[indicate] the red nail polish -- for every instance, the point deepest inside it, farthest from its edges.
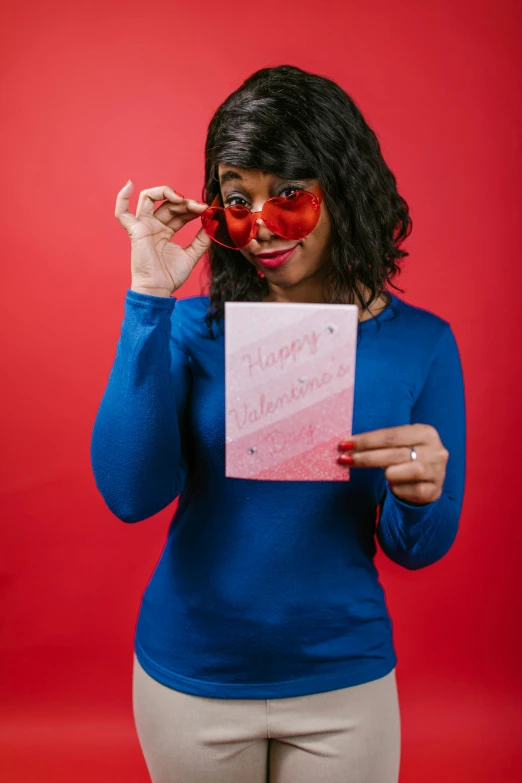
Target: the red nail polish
(347, 445)
(345, 459)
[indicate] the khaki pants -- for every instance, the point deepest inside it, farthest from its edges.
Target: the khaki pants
(349, 735)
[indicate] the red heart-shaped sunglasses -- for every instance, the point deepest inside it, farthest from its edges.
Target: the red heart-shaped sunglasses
(235, 226)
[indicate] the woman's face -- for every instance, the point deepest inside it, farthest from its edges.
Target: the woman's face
(251, 188)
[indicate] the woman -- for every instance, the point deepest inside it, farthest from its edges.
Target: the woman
(263, 647)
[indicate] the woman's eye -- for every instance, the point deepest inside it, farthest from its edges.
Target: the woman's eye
(235, 201)
(289, 191)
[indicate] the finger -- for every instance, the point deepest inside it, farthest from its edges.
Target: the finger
(176, 215)
(121, 211)
(148, 198)
(197, 206)
(393, 437)
(411, 471)
(198, 246)
(381, 458)
(419, 493)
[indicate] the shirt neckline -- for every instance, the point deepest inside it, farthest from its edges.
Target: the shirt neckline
(385, 315)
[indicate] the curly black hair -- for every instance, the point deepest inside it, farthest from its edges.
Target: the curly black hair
(298, 125)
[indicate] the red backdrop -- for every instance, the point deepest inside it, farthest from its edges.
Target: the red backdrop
(97, 94)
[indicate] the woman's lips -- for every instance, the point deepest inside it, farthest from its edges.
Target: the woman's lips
(271, 260)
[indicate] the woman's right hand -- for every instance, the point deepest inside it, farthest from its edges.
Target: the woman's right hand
(158, 266)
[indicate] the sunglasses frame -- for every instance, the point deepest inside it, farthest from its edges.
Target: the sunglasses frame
(317, 198)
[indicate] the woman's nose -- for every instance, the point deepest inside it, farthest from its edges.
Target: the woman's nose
(261, 232)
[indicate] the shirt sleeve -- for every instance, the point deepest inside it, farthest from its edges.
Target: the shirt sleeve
(137, 445)
(416, 536)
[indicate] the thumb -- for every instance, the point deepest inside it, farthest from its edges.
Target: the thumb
(199, 245)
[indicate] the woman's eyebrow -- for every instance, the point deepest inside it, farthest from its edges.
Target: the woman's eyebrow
(227, 176)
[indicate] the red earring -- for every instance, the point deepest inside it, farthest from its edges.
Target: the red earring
(260, 273)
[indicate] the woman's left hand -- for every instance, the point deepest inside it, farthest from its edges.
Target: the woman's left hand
(418, 481)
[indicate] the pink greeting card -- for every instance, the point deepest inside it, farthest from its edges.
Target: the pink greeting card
(289, 381)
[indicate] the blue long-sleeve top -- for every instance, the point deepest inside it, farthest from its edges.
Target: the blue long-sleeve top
(268, 589)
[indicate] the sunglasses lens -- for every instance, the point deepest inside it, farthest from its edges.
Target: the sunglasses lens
(228, 227)
(239, 225)
(294, 217)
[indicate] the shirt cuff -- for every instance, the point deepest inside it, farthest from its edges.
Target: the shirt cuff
(166, 302)
(148, 308)
(412, 513)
